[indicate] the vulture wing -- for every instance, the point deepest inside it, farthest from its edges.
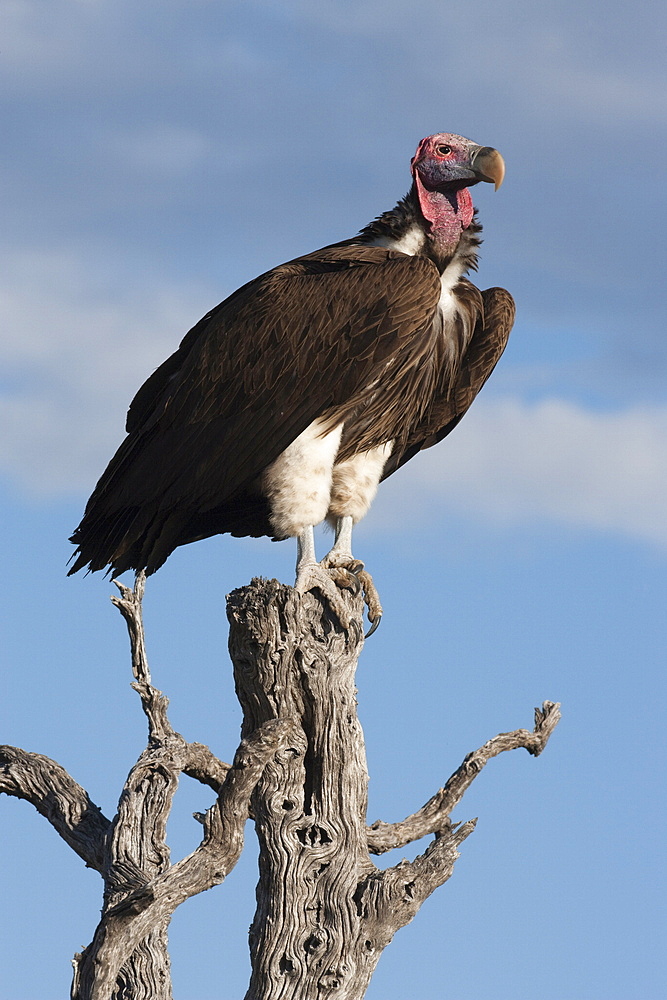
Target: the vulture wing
(486, 345)
(282, 351)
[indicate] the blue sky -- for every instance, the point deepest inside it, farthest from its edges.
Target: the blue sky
(157, 155)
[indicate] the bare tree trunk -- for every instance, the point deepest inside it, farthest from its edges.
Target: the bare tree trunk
(325, 912)
(307, 939)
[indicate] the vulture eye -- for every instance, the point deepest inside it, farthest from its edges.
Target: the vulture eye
(443, 150)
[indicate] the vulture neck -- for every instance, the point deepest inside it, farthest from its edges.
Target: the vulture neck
(437, 225)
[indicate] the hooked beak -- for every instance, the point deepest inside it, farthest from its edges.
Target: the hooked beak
(488, 165)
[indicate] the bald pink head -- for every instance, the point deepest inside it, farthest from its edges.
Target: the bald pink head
(445, 159)
(444, 167)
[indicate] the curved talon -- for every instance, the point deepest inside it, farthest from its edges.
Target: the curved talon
(346, 570)
(374, 625)
(372, 600)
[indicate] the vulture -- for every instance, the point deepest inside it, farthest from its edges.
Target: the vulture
(289, 402)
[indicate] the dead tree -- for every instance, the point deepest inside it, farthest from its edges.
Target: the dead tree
(325, 912)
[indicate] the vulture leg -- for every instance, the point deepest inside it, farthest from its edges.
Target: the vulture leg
(340, 557)
(311, 574)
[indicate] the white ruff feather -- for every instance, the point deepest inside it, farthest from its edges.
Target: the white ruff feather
(410, 243)
(449, 278)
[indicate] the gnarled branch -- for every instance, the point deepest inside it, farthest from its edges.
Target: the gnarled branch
(128, 921)
(325, 912)
(142, 888)
(67, 806)
(434, 815)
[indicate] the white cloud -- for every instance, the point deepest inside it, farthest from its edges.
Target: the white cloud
(539, 56)
(512, 462)
(76, 344)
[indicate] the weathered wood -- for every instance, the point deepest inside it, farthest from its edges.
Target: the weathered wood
(67, 806)
(435, 813)
(324, 911)
(128, 956)
(291, 658)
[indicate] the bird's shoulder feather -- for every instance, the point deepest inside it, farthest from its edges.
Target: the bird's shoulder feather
(492, 328)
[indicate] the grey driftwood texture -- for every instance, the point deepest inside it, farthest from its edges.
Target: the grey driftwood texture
(325, 912)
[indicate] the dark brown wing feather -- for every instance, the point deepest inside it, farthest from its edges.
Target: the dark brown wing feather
(488, 342)
(301, 342)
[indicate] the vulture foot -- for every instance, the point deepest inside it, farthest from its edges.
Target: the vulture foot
(347, 563)
(313, 576)
(372, 600)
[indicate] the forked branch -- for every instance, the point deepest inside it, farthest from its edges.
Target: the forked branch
(132, 917)
(128, 955)
(433, 817)
(142, 888)
(325, 912)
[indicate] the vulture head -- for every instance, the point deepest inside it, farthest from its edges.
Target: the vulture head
(443, 168)
(447, 162)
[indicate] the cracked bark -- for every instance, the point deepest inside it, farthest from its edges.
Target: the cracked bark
(325, 912)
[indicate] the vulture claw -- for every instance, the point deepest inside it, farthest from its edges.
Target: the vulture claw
(344, 577)
(371, 599)
(374, 625)
(337, 564)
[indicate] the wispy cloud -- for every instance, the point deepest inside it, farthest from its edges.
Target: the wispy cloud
(511, 462)
(157, 149)
(169, 166)
(546, 57)
(73, 352)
